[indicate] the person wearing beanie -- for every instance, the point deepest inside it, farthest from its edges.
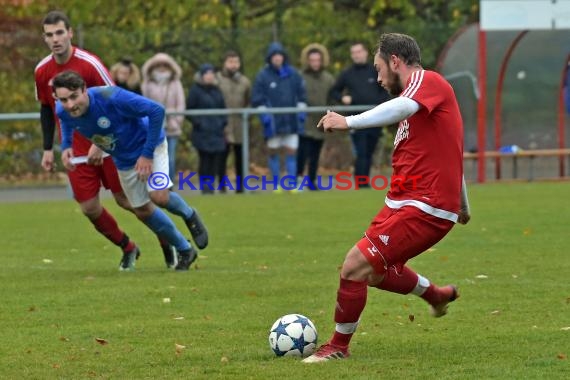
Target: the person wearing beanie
(208, 130)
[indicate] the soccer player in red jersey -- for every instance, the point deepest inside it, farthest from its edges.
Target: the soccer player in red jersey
(96, 169)
(428, 148)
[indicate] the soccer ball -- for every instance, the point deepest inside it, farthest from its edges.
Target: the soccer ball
(293, 335)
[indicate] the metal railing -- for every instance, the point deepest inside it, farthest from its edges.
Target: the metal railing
(244, 112)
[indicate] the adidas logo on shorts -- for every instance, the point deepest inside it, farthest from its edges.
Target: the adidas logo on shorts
(384, 239)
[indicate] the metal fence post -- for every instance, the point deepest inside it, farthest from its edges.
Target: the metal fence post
(245, 149)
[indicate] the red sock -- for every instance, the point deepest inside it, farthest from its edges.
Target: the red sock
(108, 227)
(401, 283)
(436, 295)
(350, 301)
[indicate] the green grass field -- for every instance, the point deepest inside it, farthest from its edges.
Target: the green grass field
(271, 255)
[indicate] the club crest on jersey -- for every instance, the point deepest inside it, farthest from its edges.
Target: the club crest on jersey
(107, 143)
(403, 132)
(103, 122)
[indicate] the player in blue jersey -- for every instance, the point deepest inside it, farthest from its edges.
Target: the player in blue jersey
(129, 128)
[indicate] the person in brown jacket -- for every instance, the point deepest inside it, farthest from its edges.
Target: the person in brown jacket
(318, 82)
(236, 89)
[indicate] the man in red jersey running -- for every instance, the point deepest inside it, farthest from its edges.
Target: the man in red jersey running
(429, 144)
(93, 168)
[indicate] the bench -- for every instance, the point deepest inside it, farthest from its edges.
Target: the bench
(530, 154)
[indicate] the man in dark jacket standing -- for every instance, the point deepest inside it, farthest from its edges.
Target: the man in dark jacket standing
(279, 85)
(208, 130)
(357, 85)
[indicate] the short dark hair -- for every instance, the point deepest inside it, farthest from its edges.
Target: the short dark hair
(357, 42)
(400, 45)
(315, 50)
(54, 17)
(231, 54)
(68, 79)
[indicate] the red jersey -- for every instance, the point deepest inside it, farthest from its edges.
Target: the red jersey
(84, 63)
(428, 149)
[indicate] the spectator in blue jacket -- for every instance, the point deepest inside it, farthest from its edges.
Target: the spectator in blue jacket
(208, 130)
(279, 85)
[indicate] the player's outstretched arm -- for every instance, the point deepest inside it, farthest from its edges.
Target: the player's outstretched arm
(465, 212)
(390, 112)
(387, 113)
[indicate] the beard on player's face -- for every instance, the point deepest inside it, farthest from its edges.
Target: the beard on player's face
(394, 83)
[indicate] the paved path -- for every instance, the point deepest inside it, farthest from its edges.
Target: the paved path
(31, 194)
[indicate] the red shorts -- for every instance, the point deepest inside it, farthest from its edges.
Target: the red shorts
(397, 235)
(86, 180)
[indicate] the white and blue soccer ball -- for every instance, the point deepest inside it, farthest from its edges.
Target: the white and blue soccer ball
(293, 335)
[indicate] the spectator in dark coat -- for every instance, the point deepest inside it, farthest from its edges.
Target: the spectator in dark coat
(208, 131)
(357, 85)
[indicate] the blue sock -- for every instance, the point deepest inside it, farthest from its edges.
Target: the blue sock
(274, 163)
(291, 165)
(163, 227)
(178, 206)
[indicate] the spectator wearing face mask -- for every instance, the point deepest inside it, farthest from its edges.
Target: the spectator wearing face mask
(161, 83)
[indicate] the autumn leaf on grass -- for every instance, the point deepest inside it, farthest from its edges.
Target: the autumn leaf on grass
(63, 339)
(179, 348)
(224, 359)
(101, 341)
(561, 356)
(411, 317)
